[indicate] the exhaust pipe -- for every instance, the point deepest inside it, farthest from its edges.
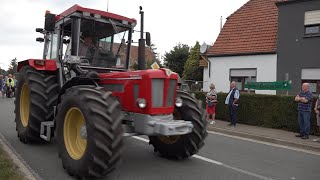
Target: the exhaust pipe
(142, 45)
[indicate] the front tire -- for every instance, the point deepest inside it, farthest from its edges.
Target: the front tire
(36, 94)
(89, 131)
(183, 146)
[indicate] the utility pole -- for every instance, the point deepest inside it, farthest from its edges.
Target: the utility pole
(107, 5)
(220, 23)
(142, 44)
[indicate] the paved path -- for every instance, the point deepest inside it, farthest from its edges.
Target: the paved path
(223, 157)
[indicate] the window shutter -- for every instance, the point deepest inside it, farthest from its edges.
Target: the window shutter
(310, 74)
(243, 72)
(312, 17)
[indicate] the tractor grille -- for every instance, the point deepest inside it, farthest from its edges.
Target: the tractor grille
(158, 92)
(171, 90)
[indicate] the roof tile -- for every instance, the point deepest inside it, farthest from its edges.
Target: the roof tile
(249, 30)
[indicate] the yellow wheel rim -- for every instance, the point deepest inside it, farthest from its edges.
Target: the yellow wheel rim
(74, 122)
(169, 139)
(24, 105)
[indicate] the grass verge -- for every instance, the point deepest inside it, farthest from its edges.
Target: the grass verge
(7, 169)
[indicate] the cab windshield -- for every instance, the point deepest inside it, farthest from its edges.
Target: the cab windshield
(102, 44)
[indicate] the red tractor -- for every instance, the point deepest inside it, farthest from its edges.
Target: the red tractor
(82, 94)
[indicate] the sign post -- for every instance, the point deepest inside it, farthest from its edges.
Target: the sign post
(155, 65)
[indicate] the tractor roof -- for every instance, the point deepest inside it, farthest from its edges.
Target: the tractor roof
(77, 8)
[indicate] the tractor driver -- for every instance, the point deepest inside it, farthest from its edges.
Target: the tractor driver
(87, 48)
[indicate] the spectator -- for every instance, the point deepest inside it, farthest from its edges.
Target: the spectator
(317, 111)
(4, 86)
(304, 109)
(211, 100)
(10, 86)
(232, 101)
(1, 85)
(15, 84)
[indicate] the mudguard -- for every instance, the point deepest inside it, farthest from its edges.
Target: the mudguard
(39, 64)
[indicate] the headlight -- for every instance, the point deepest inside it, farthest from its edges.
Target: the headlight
(142, 103)
(179, 102)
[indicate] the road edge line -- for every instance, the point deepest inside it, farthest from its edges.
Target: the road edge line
(266, 143)
(264, 139)
(17, 160)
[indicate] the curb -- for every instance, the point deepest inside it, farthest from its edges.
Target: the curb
(24, 169)
(264, 138)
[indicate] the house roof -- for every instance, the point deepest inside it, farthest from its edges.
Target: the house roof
(252, 29)
(149, 55)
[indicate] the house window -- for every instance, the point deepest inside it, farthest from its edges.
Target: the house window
(311, 76)
(315, 29)
(242, 76)
(314, 85)
(312, 22)
(241, 81)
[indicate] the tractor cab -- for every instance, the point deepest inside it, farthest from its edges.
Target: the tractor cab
(82, 39)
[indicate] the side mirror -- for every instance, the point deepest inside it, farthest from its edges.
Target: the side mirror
(148, 38)
(39, 30)
(50, 21)
(39, 39)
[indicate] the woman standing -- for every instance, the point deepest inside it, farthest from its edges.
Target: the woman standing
(211, 101)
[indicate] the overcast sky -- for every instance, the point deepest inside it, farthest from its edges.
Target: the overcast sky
(169, 21)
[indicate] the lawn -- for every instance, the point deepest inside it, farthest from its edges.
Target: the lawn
(7, 168)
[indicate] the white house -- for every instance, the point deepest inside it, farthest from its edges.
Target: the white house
(245, 49)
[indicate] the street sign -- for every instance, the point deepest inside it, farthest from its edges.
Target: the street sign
(155, 65)
(278, 85)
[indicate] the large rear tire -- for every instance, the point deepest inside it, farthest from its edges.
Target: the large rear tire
(36, 95)
(89, 131)
(183, 146)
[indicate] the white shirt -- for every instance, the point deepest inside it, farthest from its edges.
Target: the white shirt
(236, 96)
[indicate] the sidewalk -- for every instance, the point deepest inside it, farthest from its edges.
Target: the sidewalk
(275, 136)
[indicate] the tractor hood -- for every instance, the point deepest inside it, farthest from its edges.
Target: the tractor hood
(156, 87)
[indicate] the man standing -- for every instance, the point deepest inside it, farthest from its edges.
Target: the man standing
(304, 110)
(317, 111)
(232, 101)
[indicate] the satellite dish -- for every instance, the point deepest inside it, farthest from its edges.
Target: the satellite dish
(203, 48)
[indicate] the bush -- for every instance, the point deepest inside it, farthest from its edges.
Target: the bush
(271, 111)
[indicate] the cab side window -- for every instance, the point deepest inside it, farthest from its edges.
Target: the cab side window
(53, 47)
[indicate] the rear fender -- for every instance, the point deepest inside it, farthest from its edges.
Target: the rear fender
(39, 64)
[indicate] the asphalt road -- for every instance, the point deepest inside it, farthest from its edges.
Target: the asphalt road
(223, 157)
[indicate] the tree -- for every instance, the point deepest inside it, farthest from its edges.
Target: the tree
(13, 66)
(2, 71)
(154, 50)
(156, 57)
(176, 58)
(192, 70)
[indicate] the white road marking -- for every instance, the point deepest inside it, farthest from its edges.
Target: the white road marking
(141, 139)
(267, 143)
(217, 163)
(207, 160)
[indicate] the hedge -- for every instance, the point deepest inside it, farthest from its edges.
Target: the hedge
(271, 111)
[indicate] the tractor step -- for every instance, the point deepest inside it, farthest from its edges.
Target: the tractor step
(161, 125)
(45, 130)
